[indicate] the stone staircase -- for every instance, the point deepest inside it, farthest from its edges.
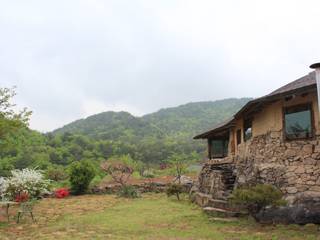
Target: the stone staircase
(218, 180)
(216, 207)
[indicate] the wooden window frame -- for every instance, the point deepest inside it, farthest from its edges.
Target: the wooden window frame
(212, 155)
(284, 109)
(244, 129)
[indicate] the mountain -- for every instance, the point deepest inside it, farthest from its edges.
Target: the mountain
(193, 118)
(151, 139)
(180, 122)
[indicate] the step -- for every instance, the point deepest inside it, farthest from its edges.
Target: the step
(218, 203)
(220, 212)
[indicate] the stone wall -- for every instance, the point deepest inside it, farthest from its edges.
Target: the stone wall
(217, 180)
(293, 166)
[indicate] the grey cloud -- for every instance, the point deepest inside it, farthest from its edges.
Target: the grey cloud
(65, 56)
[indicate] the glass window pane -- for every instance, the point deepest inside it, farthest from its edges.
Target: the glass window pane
(219, 148)
(298, 124)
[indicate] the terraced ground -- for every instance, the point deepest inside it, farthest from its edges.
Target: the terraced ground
(154, 216)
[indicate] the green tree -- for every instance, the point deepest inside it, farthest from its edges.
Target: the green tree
(179, 164)
(10, 119)
(81, 174)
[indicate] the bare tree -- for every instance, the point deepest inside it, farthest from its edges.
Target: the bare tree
(119, 172)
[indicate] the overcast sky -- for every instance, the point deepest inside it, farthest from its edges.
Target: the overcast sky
(73, 58)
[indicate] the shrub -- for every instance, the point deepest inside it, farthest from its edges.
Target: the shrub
(25, 181)
(128, 191)
(174, 189)
(81, 174)
(57, 173)
(257, 198)
(61, 193)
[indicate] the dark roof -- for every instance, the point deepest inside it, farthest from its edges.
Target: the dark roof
(304, 83)
(217, 128)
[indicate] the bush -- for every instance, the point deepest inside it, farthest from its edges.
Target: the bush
(174, 189)
(57, 173)
(128, 191)
(257, 198)
(61, 193)
(81, 174)
(24, 182)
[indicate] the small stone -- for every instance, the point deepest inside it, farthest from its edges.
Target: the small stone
(290, 153)
(317, 149)
(300, 169)
(309, 161)
(292, 190)
(310, 183)
(307, 149)
(315, 188)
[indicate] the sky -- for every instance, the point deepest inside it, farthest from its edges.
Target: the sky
(71, 59)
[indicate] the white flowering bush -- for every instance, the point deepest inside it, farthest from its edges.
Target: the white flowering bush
(3, 187)
(26, 181)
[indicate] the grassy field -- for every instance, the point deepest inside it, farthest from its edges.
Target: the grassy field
(153, 216)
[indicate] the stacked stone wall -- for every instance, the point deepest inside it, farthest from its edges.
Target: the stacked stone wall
(293, 166)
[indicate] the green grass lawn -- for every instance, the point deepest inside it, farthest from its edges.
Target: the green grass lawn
(153, 216)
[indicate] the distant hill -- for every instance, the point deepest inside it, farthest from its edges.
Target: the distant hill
(180, 122)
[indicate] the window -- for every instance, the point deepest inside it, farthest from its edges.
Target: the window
(219, 148)
(238, 136)
(298, 122)
(247, 129)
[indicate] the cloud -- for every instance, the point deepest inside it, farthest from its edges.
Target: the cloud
(73, 58)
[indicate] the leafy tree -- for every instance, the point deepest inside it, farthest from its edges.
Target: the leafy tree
(10, 120)
(5, 167)
(81, 174)
(56, 173)
(179, 163)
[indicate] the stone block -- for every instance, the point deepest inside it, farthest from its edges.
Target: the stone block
(307, 149)
(291, 190)
(300, 169)
(290, 153)
(315, 188)
(311, 183)
(317, 149)
(309, 161)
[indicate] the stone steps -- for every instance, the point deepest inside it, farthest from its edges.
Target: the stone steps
(217, 203)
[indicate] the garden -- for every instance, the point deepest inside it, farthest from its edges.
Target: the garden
(41, 208)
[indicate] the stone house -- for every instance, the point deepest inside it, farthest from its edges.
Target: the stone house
(274, 139)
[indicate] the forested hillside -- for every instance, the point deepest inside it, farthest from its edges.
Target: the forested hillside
(182, 121)
(150, 139)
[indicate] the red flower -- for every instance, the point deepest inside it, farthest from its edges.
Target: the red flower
(61, 193)
(22, 197)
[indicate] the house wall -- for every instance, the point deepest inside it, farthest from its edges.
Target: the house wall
(271, 119)
(292, 166)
